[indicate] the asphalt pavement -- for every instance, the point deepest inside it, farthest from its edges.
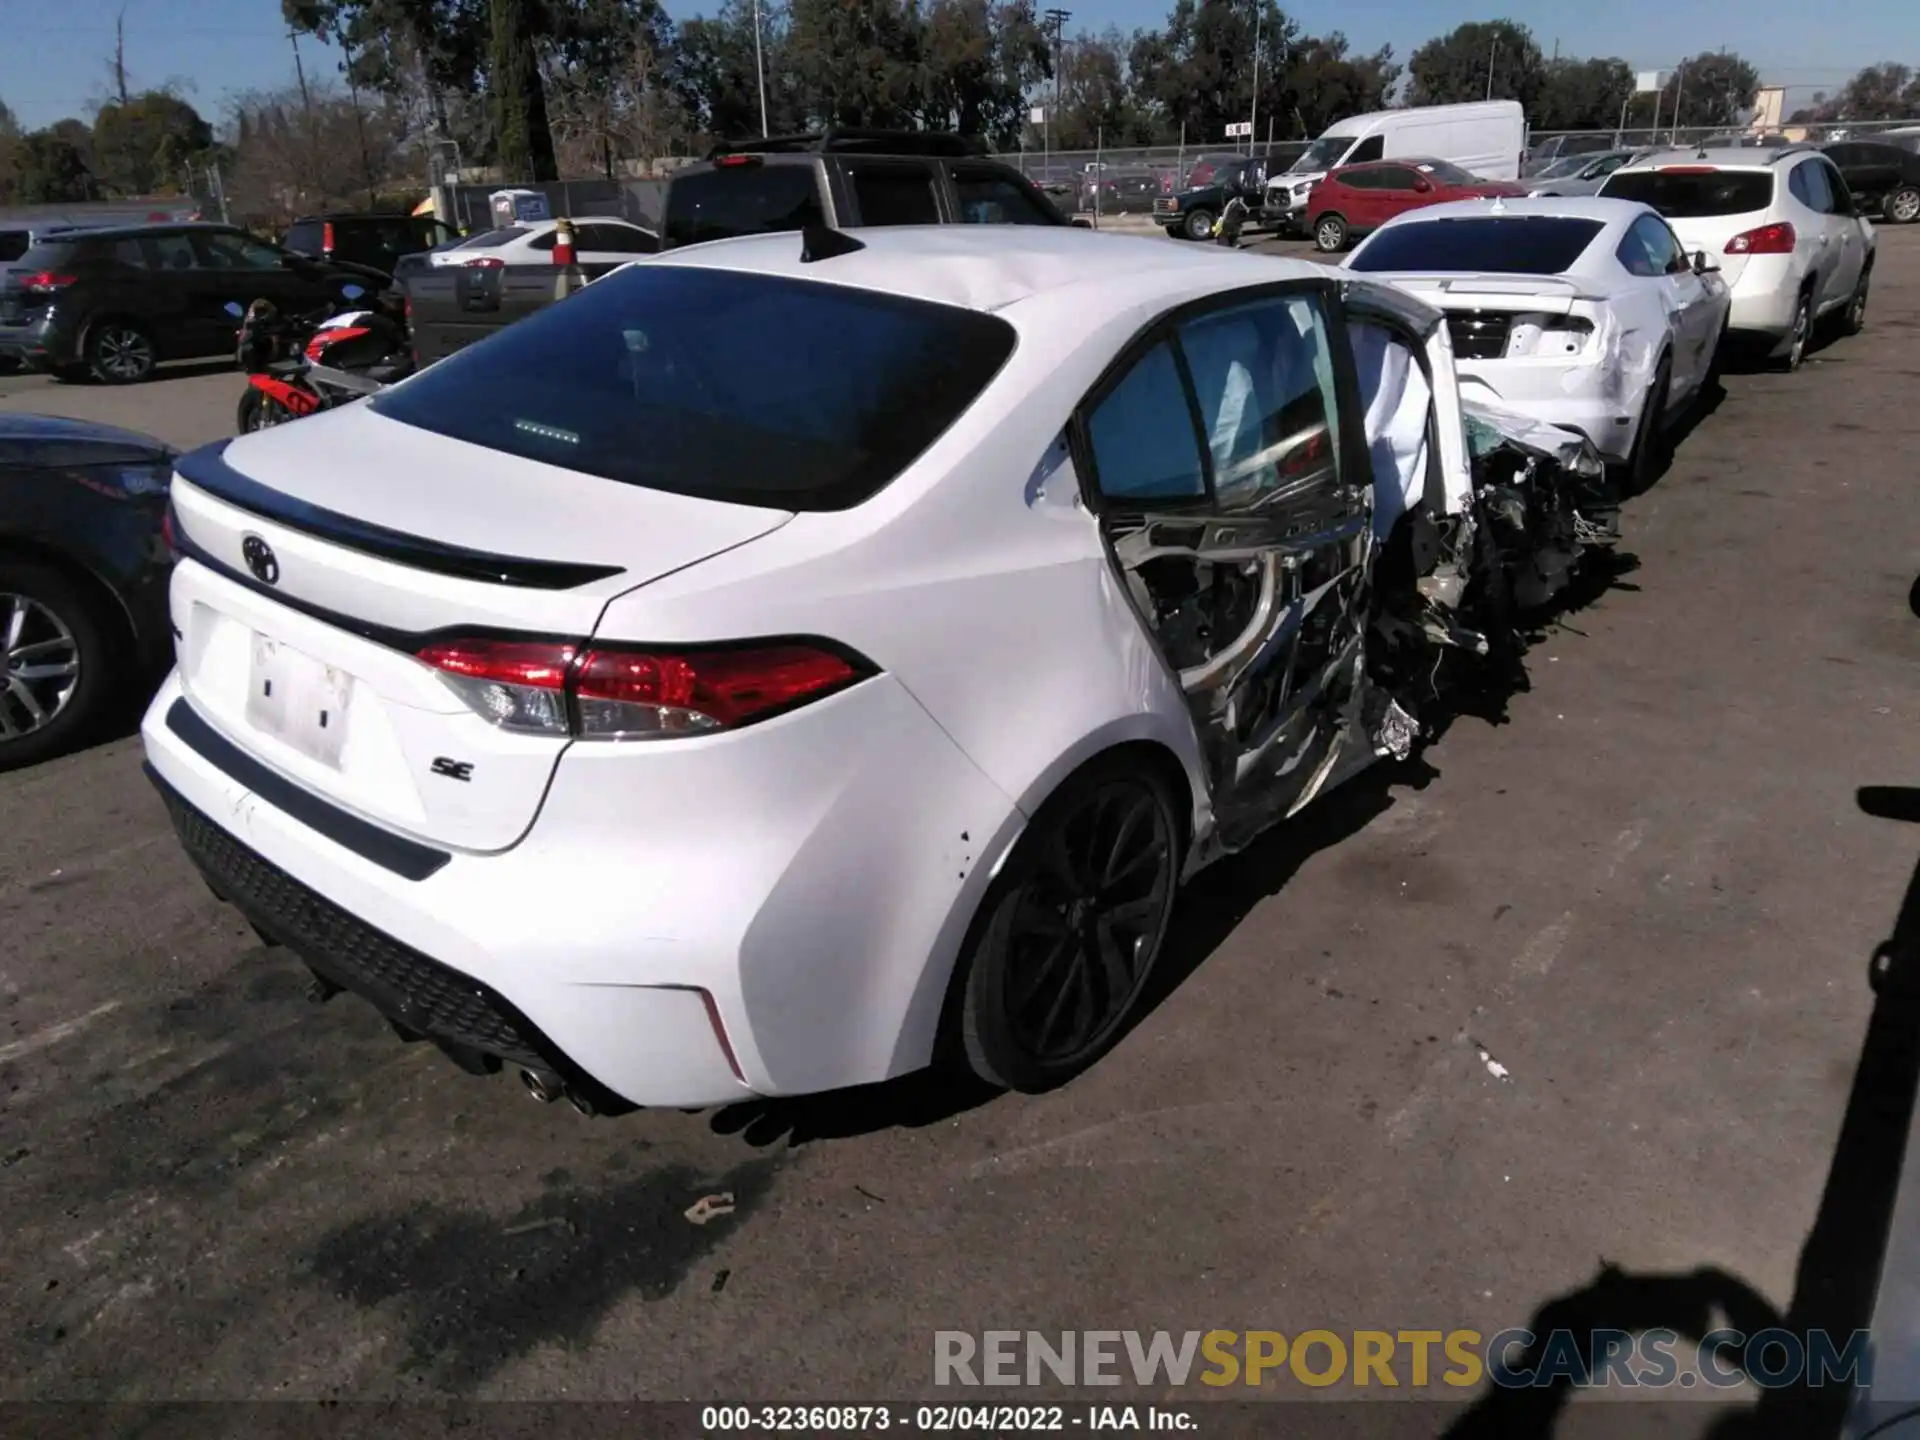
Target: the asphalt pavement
(1568, 1014)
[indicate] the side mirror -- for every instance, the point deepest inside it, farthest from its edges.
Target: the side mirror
(1422, 186)
(1702, 265)
(1080, 222)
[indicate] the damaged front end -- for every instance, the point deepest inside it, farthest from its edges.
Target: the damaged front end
(1543, 496)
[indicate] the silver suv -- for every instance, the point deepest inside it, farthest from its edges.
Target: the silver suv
(1781, 225)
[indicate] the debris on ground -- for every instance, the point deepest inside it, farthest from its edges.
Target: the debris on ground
(710, 1207)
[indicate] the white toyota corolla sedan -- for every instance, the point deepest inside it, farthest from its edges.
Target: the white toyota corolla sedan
(1584, 313)
(795, 655)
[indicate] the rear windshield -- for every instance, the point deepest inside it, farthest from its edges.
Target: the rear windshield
(740, 200)
(50, 254)
(1687, 194)
(1499, 245)
(661, 376)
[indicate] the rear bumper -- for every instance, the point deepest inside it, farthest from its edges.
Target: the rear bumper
(1765, 296)
(685, 930)
(1573, 396)
(38, 345)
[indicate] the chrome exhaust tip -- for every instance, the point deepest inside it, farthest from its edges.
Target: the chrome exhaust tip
(544, 1088)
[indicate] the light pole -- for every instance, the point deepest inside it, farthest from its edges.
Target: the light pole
(1253, 113)
(759, 69)
(1493, 52)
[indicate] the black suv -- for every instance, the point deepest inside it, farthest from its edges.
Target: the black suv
(848, 177)
(113, 303)
(1882, 177)
(361, 238)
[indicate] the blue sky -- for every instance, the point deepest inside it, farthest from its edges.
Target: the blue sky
(53, 53)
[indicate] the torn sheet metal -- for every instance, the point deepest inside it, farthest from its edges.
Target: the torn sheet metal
(1488, 428)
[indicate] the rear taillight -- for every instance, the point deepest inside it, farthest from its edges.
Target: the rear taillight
(326, 238)
(485, 262)
(1767, 240)
(562, 687)
(170, 534)
(42, 281)
(735, 162)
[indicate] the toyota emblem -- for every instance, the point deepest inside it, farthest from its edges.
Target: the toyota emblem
(260, 560)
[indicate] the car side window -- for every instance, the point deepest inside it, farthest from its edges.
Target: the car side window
(1141, 433)
(1839, 196)
(1371, 148)
(1396, 177)
(893, 194)
(1660, 253)
(988, 198)
(1361, 180)
(1809, 186)
(170, 252)
(1263, 376)
(235, 252)
(13, 244)
(305, 237)
(624, 240)
(130, 253)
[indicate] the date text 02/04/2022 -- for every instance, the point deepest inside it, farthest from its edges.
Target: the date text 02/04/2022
(937, 1419)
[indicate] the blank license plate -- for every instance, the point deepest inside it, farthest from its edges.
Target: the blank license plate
(298, 700)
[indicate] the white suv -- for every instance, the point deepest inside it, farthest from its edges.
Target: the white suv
(1781, 226)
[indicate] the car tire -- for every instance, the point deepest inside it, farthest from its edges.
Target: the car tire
(1330, 234)
(1649, 451)
(1800, 336)
(1198, 224)
(49, 622)
(1902, 206)
(1053, 973)
(119, 352)
(1854, 318)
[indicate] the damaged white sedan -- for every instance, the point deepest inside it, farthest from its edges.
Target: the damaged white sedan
(1587, 314)
(677, 717)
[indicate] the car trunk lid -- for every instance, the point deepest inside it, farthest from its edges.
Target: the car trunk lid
(321, 557)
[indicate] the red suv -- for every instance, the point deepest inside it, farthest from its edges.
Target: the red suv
(1354, 199)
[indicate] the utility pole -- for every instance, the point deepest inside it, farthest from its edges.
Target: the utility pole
(1679, 94)
(1253, 114)
(1492, 53)
(759, 69)
(1058, 20)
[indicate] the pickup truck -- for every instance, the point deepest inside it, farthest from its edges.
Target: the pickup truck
(1193, 213)
(839, 177)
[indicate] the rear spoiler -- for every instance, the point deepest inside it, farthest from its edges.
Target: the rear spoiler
(1452, 283)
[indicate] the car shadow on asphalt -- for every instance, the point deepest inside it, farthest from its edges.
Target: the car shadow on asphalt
(1834, 1284)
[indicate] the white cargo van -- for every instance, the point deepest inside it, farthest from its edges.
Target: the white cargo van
(1484, 138)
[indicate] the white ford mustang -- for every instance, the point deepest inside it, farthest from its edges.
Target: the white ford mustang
(793, 652)
(1584, 313)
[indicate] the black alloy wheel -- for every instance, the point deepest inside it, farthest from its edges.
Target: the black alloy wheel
(1071, 930)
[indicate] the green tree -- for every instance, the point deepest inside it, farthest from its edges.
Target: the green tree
(49, 170)
(1323, 83)
(1483, 59)
(144, 144)
(1582, 94)
(523, 141)
(1097, 100)
(978, 60)
(1881, 92)
(711, 73)
(858, 62)
(1715, 89)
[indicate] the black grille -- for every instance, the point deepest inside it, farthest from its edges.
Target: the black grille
(1479, 334)
(420, 994)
